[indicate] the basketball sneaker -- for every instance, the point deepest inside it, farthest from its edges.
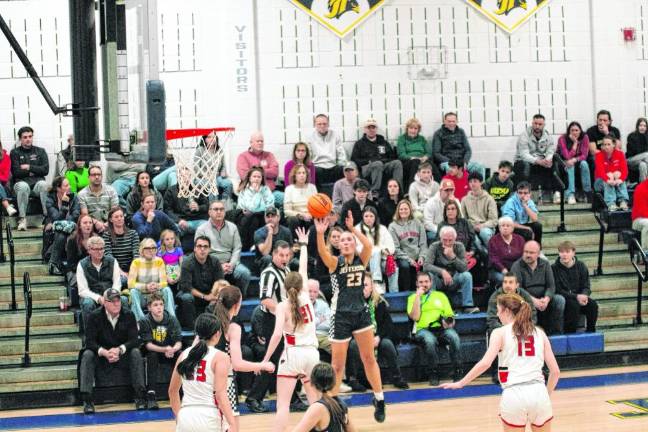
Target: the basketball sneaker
(379, 410)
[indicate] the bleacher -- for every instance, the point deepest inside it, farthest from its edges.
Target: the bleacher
(51, 379)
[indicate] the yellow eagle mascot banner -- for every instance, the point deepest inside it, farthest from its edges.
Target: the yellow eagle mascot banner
(509, 15)
(339, 16)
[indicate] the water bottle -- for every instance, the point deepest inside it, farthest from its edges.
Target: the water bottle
(539, 195)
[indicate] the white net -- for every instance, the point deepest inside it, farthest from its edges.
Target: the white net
(199, 165)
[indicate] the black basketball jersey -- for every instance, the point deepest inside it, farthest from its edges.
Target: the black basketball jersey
(347, 282)
(335, 424)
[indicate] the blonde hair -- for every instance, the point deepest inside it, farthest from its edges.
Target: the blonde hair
(147, 242)
(176, 243)
(376, 297)
(218, 286)
(413, 122)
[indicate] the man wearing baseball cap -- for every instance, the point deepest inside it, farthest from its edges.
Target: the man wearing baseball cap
(112, 341)
(356, 204)
(433, 210)
(376, 158)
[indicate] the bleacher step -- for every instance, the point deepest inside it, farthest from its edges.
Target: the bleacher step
(626, 339)
(40, 345)
(39, 386)
(38, 373)
(51, 329)
(584, 220)
(39, 358)
(37, 304)
(17, 319)
(39, 292)
(550, 240)
(34, 269)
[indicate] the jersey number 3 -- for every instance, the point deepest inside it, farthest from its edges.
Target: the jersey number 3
(526, 348)
(200, 374)
(354, 279)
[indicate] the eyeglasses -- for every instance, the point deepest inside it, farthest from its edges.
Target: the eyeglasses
(218, 208)
(149, 248)
(202, 246)
(371, 127)
(95, 175)
(97, 249)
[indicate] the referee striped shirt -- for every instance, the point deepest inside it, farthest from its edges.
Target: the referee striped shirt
(271, 284)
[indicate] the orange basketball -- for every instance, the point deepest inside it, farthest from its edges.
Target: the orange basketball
(319, 205)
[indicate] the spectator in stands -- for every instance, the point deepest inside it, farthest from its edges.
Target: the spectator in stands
(322, 316)
(343, 188)
(111, 342)
(78, 176)
(318, 269)
(98, 199)
(95, 274)
(383, 247)
(170, 251)
(534, 158)
(122, 242)
(611, 171)
(637, 149)
(573, 148)
(480, 209)
(358, 203)
(433, 210)
(450, 142)
(121, 176)
(187, 212)
(268, 235)
(225, 242)
(161, 338)
(376, 158)
(209, 156)
(254, 198)
(76, 248)
(536, 277)
(572, 282)
(434, 324)
(411, 244)
(300, 156)
(255, 156)
(163, 175)
(465, 232)
(149, 222)
(65, 158)
(197, 276)
(388, 202)
(521, 208)
(29, 167)
(446, 260)
(142, 187)
(459, 177)
(422, 189)
(5, 174)
(147, 276)
(62, 212)
(640, 212)
(329, 156)
(504, 248)
(412, 149)
(600, 130)
(510, 285)
(500, 186)
(384, 345)
(296, 198)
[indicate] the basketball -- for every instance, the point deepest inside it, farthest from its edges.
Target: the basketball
(319, 205)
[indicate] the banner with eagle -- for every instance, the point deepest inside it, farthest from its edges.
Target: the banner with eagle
(509, 15)
(339, 16)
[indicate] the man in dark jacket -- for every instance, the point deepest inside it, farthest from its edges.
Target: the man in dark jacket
(510, 285)
(451, 143)
(572, 282)
(111, 342)
(375, 157)
(29, 166)
(188, 213)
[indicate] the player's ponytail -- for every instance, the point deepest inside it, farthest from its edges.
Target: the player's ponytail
(227, 298)
(523, 325)
(323, 379)
(207, 325)
(293, 284)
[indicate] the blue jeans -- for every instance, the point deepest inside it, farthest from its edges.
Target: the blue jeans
(123, 186)
(463, 292)
(165, 179)
(429, 341)
(431, 236)
(377, 266)
(612, 194)
(3, 193)
(138, 300)
(225, 188)
(240, 277)
(192, 226)
(472, 167)
(571, 178)
(279, 199)
(485, 235)
(496, 276)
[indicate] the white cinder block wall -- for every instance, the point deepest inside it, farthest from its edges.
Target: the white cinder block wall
(266, 65)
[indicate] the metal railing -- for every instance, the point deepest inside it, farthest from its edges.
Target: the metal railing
(2, 255)
(638, 254)
(562, 187)
(27, 293)
(12, 266)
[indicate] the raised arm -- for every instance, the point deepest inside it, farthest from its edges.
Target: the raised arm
(302, 240)
(365, 254)
(327, 258)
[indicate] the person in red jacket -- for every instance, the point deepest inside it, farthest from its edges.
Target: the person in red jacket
(610, 173)
(5, 173)
(640, 212)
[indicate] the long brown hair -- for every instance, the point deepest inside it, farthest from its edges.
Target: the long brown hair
(246, 180)
(523, 325)
(227, 298)
(323, 379)
(293, 284)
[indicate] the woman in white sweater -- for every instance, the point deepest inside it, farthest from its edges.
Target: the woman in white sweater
(383, 246)
(296, 199)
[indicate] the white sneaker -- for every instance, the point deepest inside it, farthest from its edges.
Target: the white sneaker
(556, 198)
(345, 388)
(571, 200)
(22, 224)
(623, 205)
(11, 210)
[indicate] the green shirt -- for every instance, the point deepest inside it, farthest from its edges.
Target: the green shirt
(78, 179)
(434, 305)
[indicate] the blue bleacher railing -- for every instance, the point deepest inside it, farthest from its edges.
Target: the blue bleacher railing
(637, 257)
(12, 267)
(27, 293)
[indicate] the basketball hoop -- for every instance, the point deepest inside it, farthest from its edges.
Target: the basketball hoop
(197, 165)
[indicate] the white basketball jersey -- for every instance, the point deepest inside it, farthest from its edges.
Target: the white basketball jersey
(200, 389)
(305, 334)
(521, 361)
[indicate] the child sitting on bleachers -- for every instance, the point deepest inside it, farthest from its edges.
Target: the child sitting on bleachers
(610, 173)
(170, 251)
(422, 189)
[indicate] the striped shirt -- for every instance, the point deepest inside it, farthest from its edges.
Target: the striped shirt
(143, 272)
(124, 249)
(271, 284)
(98, 205)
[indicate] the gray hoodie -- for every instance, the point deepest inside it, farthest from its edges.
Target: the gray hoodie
(420, 193)
(530, 148)
(410, 239)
